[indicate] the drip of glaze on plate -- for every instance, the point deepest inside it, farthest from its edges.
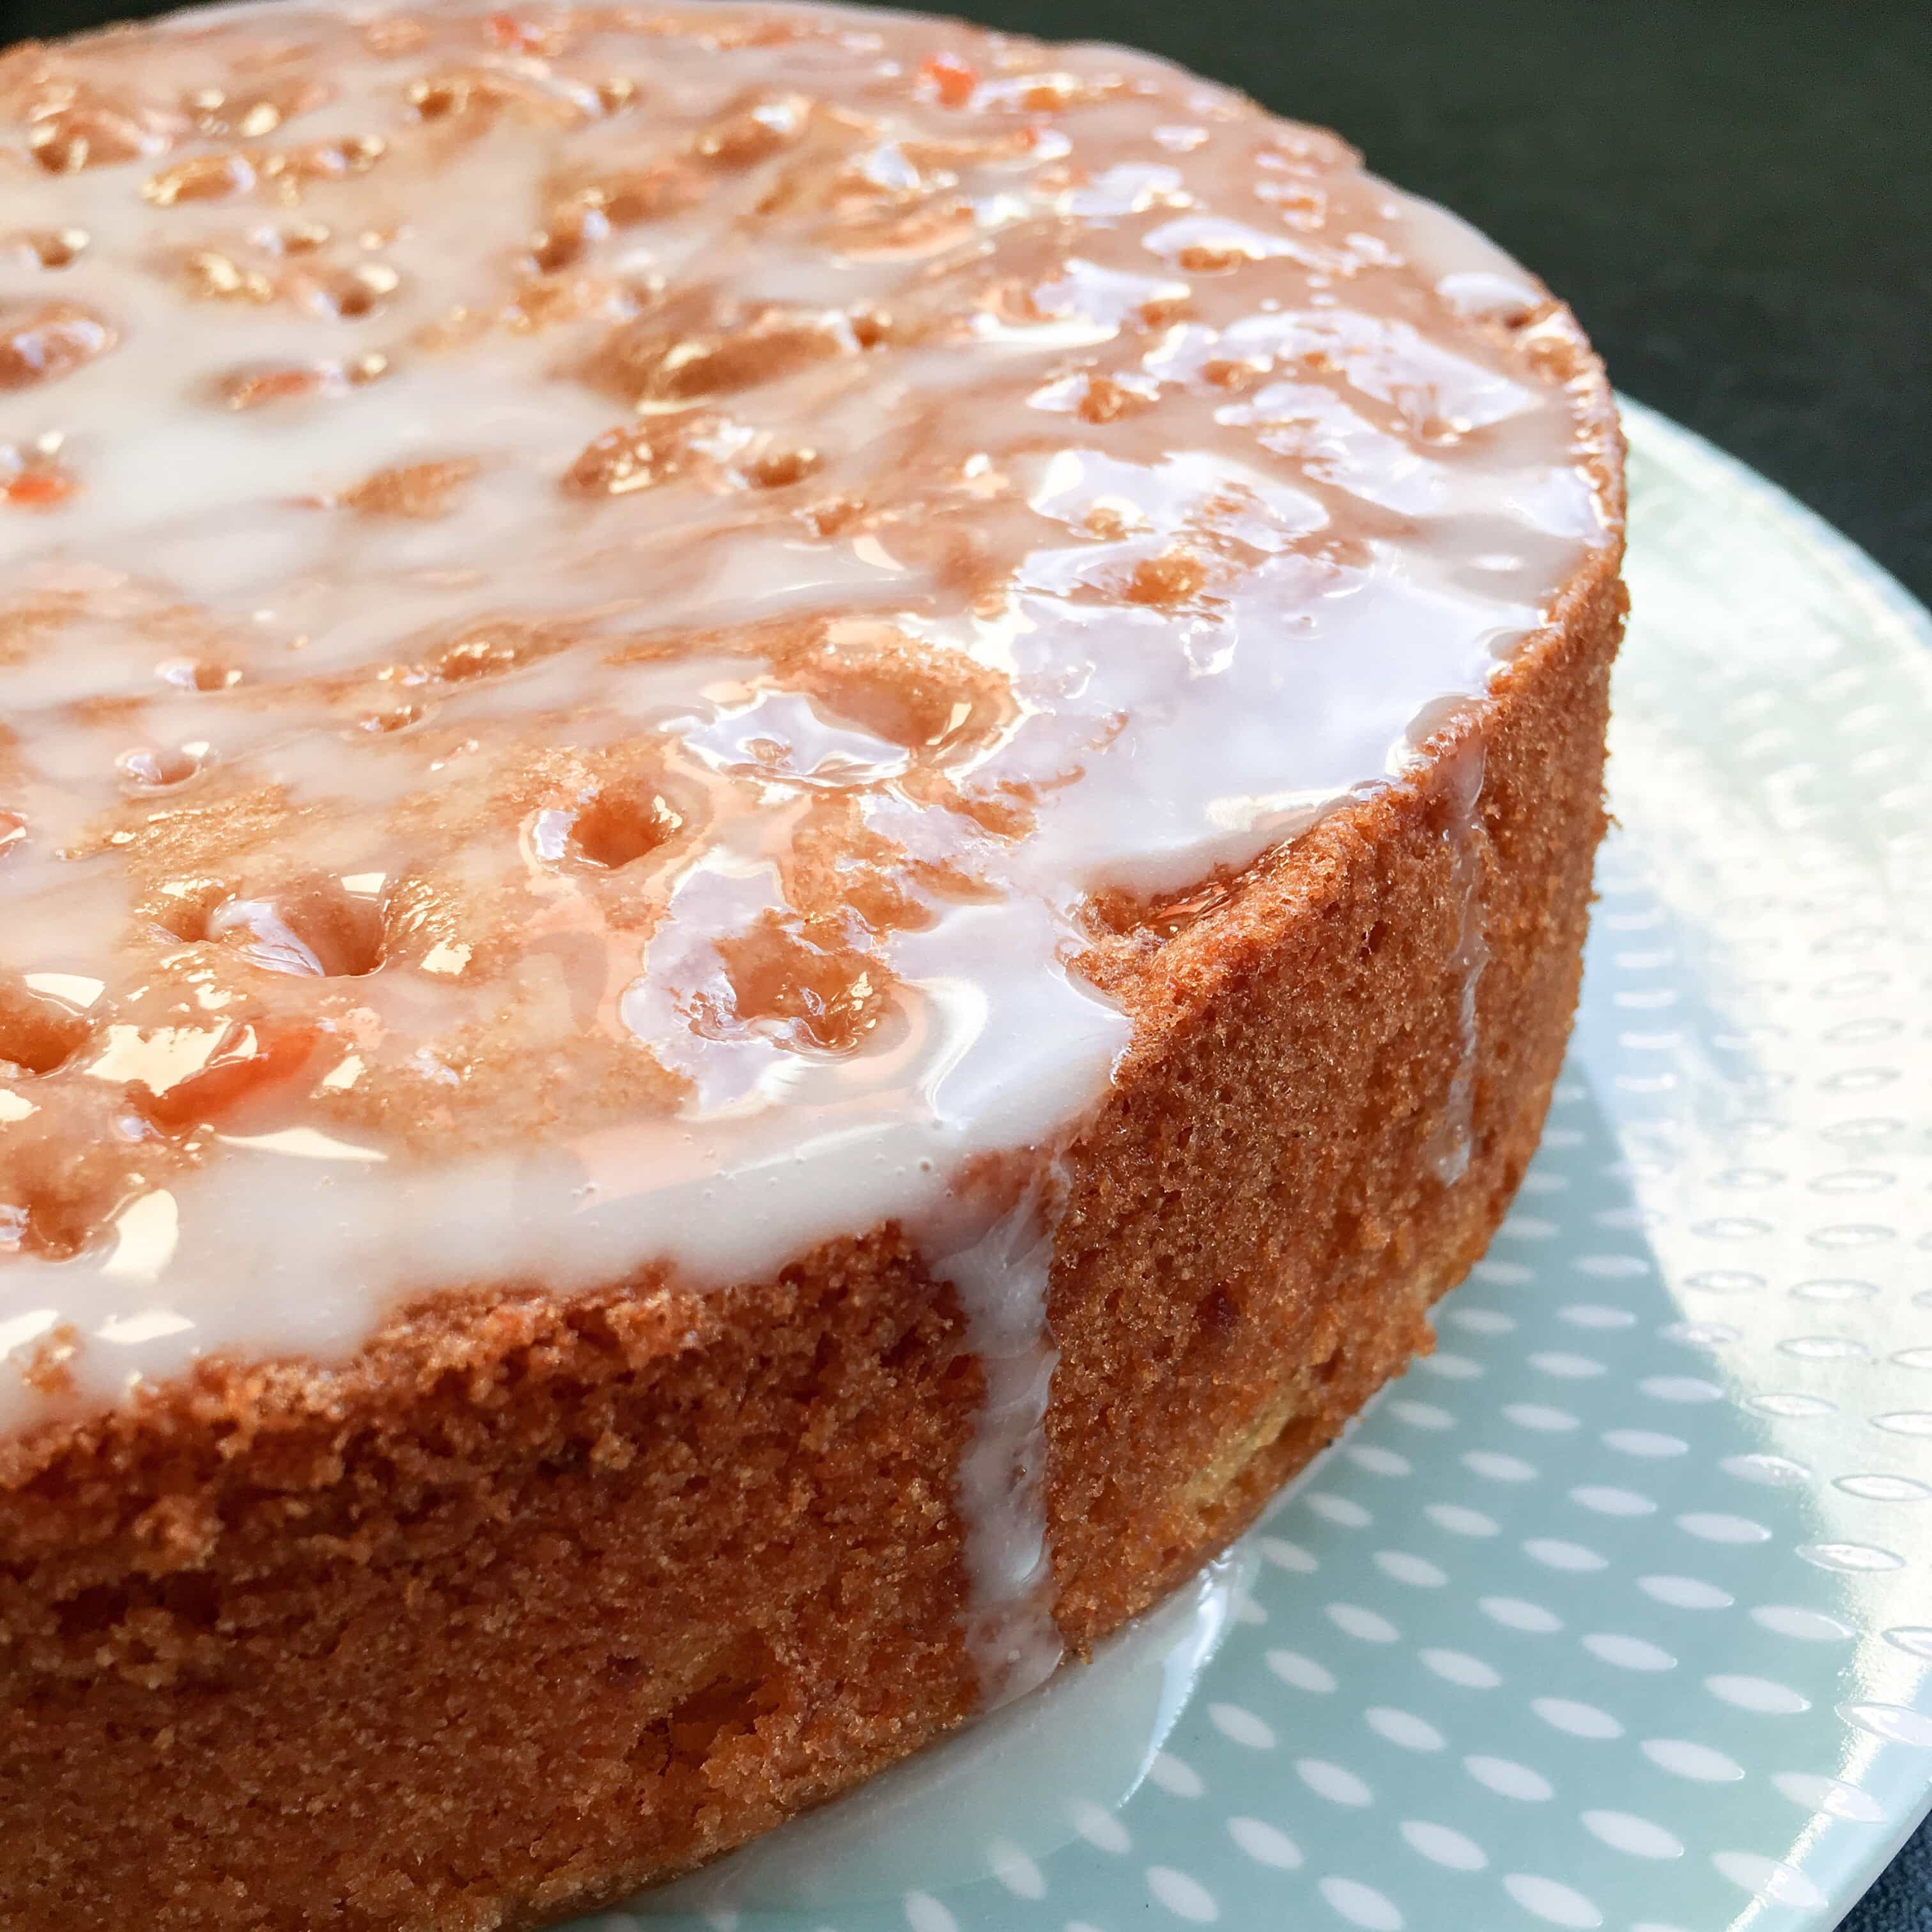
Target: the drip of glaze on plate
(1004, 1792)
(587, 603)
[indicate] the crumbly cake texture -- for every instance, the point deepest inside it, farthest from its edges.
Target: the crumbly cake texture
(535, 1583)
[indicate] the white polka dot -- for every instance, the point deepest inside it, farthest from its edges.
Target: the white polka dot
(1451, 1368)
(1789, 1405)
(1513, 1613)
(1578, 1720)
(1508, 1779)
(1370, 1626)
(1458, 1667)
(1404, 1728)
(1914, 1639)
(1342, 1509)
(1699, 1334)
(1650, 1443)
(1100, 1828)
(1611, 1268)
(1529, 1228)
(1807, 1626)
(1440, 1845)
(1850, 1558)
(1894, 1723)
(1555, 1904)
(1683, 1758)
(1288, 1556)
(1172, 1775)
(1015, 1869)
(1905, 1421)
(1361, 1905)
(1725, 1281)
(1416, 1571)
(1597, 1314)
(1498, 1468)
(1378, 1461)
(1606, 1500)
(1239, 1726)
(1461, 1521)
(1540, 1416)
(924, 1913)
(1421, 1414)
(1623, 1832)
(1628, 1653)
(1247, 1610)
(1505, 1274)
(1685, 1593)
(1482, 1321)
(1265, 1844)
(1335, 1782)
(1771, 1879)
(1835, 1292)
(1566, 1367)
(1618, 1217)
(1884, 1488)
(1712, 1526)
(1186, 1897)
(1303, 1672)
(1758, 1693)
(1824, 1347)
(1771, 1471)
(1680, 1388)
(1829, 1795)
(1555, 1553)
(1537, 1181)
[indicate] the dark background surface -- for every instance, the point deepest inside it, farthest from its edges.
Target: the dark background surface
(1736, 195)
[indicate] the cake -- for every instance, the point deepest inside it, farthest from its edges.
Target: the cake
(796, 808)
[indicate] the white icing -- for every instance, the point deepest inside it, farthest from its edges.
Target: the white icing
(1001, 1279)
(511, 1062)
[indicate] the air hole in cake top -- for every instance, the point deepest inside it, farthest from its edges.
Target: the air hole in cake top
(616, 827)
(38, 1033)
(162, 768)
(318, 926)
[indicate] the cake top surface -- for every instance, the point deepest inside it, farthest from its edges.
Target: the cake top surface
(588, 593)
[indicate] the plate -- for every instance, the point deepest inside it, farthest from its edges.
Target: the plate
(1614, 1611)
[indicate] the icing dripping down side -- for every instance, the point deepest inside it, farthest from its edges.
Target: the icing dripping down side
(1466, 843)
(1001, 1277)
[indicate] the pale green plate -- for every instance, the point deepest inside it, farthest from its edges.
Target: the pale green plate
(1617, 1610)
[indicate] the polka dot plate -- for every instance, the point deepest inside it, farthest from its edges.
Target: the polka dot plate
(1617, 1610)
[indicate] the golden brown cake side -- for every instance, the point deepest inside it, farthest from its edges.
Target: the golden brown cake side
(538, 1602)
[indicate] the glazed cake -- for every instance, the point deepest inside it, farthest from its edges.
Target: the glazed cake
(795, 813)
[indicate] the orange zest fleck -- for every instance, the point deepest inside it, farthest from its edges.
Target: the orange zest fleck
(39, 489)
(951, 80)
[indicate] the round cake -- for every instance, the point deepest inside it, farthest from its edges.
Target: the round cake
(796, 812)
